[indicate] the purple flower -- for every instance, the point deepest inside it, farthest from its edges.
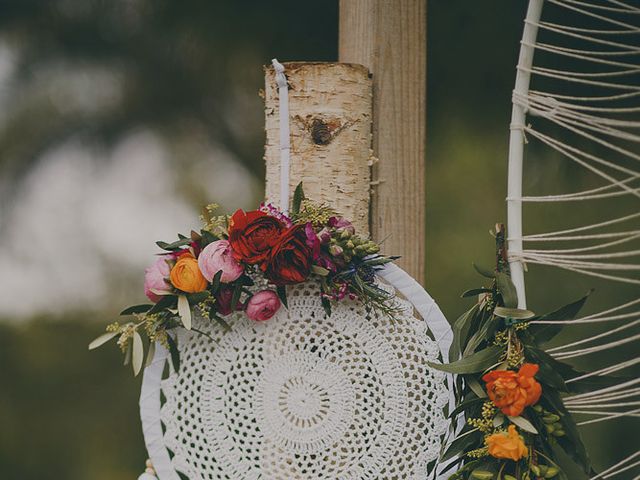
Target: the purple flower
(340, 223)
(312, 241)
(273, 211)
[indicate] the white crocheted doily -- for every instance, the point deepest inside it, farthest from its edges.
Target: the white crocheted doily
(304, 396)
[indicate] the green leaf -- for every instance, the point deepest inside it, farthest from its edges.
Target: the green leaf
(166, 302)
(485, 332)
(196, 298)
(475, 291)
(216, 281)
(221, 321)
(507, 290)
(174, 352)
(298, 197)
(235, 298)
(138, 353)
(464, 405)
(572, 442)
(485, 272)
(184, 310)
(137, 309)
(475, 387)
(460, 330)
(102, 339)
(544, 333)
(318, 270)
(464, 442)
(326, 304)
(282, 294)
(524, 424)
(207, 238)
(175, 245)
(550, 372)
(474, 363)
(514, 313)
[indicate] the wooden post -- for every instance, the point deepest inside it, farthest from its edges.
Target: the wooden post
(330, 120)
(389, 38)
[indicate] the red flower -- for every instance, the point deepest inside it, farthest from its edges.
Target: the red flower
(252, 235)
(290, 260)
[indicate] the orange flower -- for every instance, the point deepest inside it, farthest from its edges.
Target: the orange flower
(512, 391)
(186, 276)
(507, 445)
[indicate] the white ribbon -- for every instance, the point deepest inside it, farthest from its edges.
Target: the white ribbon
(285, 143)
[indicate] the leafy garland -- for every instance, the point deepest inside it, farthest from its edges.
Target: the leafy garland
(509, 390)
(244, 262)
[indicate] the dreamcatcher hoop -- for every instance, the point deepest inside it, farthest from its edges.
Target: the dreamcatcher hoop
(150, 398)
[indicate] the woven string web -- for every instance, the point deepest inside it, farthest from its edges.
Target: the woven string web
(306, 396)
(583, 121)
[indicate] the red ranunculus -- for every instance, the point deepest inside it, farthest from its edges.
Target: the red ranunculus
(252, 235)
(290, 260)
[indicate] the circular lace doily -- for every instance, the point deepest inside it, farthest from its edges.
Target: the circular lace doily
(304, 396)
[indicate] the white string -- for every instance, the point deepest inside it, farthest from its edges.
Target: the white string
(285, 141)
(560, 234)
(613, 467)
(591, 248)
(627, 9)
(608, 416)
(593, 15)
(613, 388)
(593, 337)
(586, 319)
(632, 392)
(604, 371)
(598, 348)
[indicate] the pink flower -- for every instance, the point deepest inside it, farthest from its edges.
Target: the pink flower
(155, 279)
(217, 257)
(263, 305)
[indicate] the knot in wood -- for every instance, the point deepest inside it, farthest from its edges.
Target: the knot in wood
(320, 132)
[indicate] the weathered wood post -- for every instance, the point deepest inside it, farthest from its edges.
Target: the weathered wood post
(330, 118)
(389, 38)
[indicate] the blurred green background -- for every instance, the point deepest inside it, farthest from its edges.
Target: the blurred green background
(119, 119)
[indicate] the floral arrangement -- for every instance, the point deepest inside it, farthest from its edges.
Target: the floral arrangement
(509, 390)
(244, 262)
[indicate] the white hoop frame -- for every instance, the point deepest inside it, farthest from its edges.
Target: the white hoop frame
(150, 403)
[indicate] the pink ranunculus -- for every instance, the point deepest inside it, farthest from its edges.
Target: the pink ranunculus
(155, 279)
(217, 257)
(263, 305)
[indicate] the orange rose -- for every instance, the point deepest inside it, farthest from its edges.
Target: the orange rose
(507, 445)
(186, 276)
(512, 391)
